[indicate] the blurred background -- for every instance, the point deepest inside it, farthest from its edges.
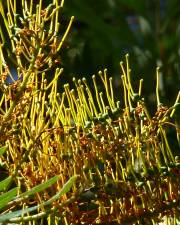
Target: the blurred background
(105, 30)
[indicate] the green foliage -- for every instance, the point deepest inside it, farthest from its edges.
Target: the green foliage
(7, 197)
(18, 216)
(4, 183)
(2, 150)
(84, 155)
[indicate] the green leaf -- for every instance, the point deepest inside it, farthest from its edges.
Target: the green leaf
(7, 216)
(7, 197)
(2, 150)
(66, 188)
(40, 187)
(4, 183)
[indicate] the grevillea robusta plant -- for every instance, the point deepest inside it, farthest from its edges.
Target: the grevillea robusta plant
(118, 154)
